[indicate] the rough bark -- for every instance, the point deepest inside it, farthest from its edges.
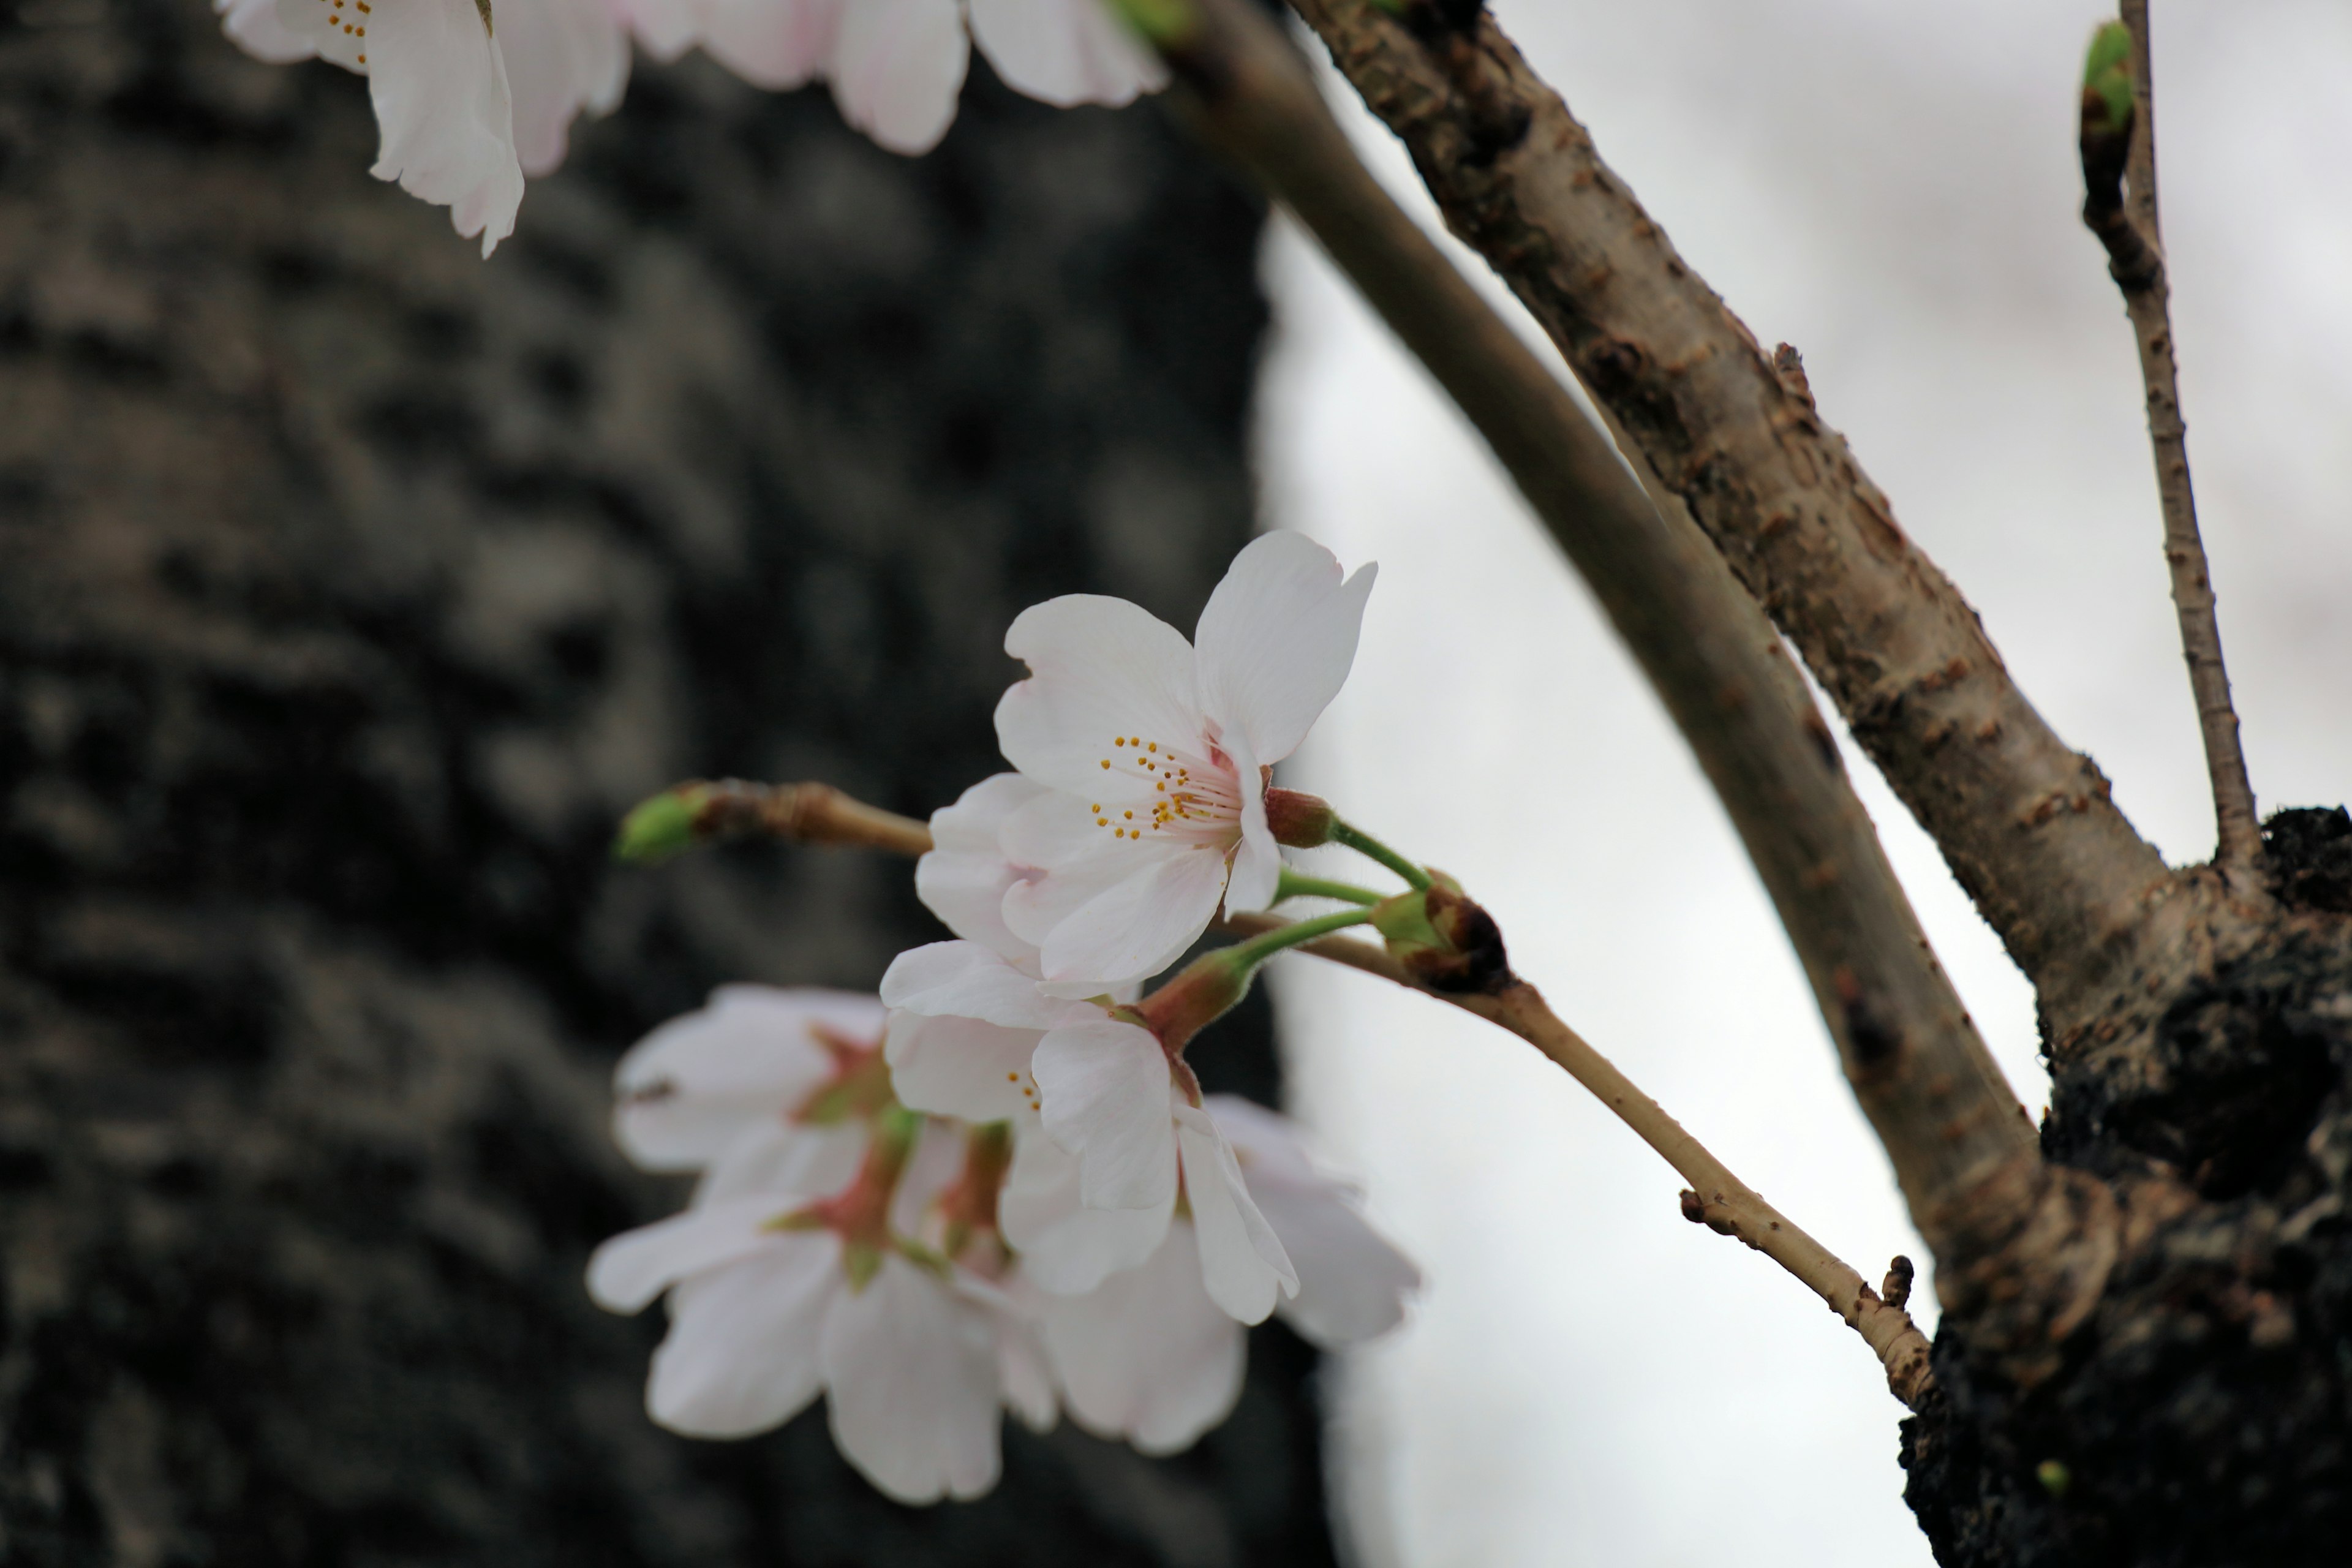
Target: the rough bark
(349, 589)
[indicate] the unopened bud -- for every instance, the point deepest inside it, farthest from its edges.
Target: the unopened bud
(662, 827)
(1444, 939)
(1203, 991)
(1300, 820)
(2107, 112)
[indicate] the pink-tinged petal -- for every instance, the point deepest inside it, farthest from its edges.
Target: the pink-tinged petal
(1353, 1285)
(632, 1267)
(1242, 1260)
(963, 979)
(1256, 871)
(1276, 640)
(911, 1386)
(318, 26)
(789, 1162)
(1269, 1145)
(742, 1353)
(666, 28)
(1024, 1374)
(962, 1066)
(1137, 926)
(564, 58)
(254, 26)
(1058, 834)
(1106, 1090)
(1068, 1249)
(898, 67)
(1147, 1357)
(1101, 669)
(445, 112)
(774, 43)
(1056, 830)
(936, 1161)
(1064, 52)
(964, 879)
(685, 1092)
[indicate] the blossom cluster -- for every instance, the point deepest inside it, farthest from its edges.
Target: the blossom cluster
(998, 1185)
(471, 96)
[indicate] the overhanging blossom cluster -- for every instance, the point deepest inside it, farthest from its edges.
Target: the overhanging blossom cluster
(999, 1186)
(471, 96)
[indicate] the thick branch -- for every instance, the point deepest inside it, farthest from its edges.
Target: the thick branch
(1938, 1104)
(2025, 823)
(819, 814)
(2120, 205)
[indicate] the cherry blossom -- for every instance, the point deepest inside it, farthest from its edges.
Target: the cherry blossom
(774, 1297)
(1153, 755)
(972, 1035)
(762, 1089)
(1149, 1356)
(445, 107)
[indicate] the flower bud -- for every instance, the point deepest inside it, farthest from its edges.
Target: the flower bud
(662, 827)
(1203, 991)
(1446, 939)
(1300, 820)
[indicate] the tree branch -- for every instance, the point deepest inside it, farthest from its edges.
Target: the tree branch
(2120, 205)
(1937, 1102)
(2024, 822)
(819, 814)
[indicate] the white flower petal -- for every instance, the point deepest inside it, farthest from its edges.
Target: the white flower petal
(774, 43)
(898, 67)
(685, 1092)
(666, 28)
(793, 1163)
(632, 1267)
(742, 1353)
(1024, 1374)
(254, 25)
(964, 879)
(1147, 1357)
(1064, 52)
(1242, 1260)
(1068, 1249)
(445, 111)
(1256, 871)
(1353, 1285)
(1100, 669)
(1276, 640)
(911, 1386)
(564, 58)
(1107, 1091)
(1138, 925)
(963, 979)
(962, 1066)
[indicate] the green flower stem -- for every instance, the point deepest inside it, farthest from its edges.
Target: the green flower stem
(1294, 886)
(1248, 955)
(1363, 842)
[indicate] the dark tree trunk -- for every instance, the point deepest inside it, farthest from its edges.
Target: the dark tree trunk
(2199, 1414)
(349, 588)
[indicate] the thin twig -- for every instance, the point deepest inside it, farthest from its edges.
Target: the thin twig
(1947, 1118)
(2025, 823)
(819, 814)
(2120, 205)
(798, 813)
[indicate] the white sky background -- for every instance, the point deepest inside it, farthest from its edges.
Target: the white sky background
(1893, 187)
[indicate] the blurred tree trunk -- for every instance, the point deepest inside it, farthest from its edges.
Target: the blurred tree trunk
(349, 588)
